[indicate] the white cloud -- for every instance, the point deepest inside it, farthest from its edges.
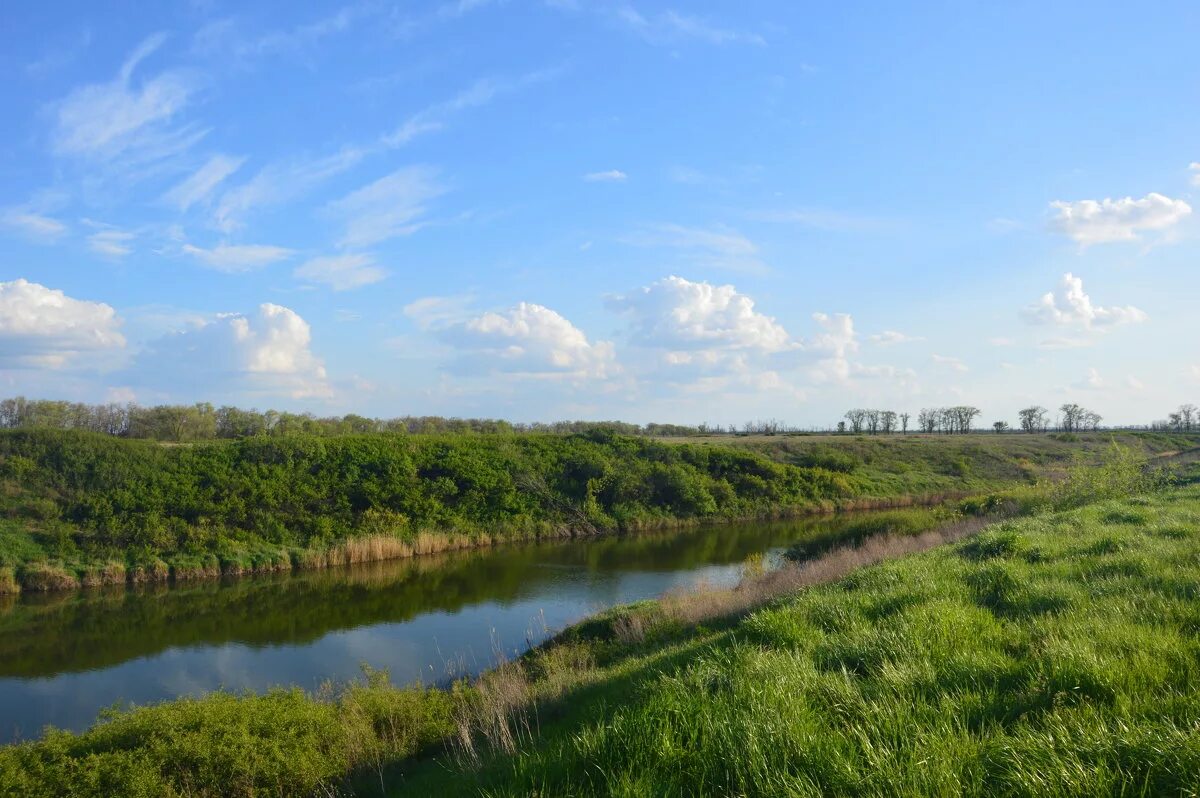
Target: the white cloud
(1134, 384)
(436, 312)
(107, 120)
(529, 340)
(1001, 341)
(678, 314)
(341, 272)
(112, 243)
(33, 224)
(611, 176)
(671, 27)
(394, 205)
(836, 341)
(952, 363)
(889, 337)
(279, 183)
(1194, 168)
(223, 40)
(1107, 220)
(233, 258)
(268, 352)
(1069, 306)
(43, 327)
(201, 183)
(437, 116)
(717, 247)
(1093, 381)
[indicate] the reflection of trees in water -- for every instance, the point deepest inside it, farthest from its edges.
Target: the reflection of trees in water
(46, 635)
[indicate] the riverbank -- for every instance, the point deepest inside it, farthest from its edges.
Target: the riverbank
(637, 689)
(80, 510)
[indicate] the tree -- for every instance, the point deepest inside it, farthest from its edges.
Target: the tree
(856, 417)
(887, 421)
(1033, 419)
(904, 422)
(1188, 415)
(1000, 426)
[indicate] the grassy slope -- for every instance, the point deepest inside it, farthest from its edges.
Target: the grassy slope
(76, 507)
(1053, 655)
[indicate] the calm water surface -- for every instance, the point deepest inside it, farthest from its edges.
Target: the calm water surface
(63, 658)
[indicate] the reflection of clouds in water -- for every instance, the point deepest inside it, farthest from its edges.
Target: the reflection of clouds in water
(565, 586)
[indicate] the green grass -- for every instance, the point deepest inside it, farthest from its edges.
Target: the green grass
(1055, 654)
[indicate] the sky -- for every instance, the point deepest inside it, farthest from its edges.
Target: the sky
(560, 209)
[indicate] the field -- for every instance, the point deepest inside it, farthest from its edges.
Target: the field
(1054, 653)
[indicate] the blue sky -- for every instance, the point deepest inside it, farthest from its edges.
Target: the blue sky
(550, 209)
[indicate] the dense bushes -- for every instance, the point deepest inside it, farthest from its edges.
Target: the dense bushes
(138, 501)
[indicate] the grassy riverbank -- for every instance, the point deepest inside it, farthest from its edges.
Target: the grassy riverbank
(82, 509)
(1052, 654)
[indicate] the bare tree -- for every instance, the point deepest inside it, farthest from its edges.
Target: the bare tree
(856, 417)
(1188, 416)
(1000, 426)
(887, 421)
(904, 422)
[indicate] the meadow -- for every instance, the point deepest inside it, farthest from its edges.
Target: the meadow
(1040, 641)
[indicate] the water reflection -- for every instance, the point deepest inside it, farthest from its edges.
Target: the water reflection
(65, 657)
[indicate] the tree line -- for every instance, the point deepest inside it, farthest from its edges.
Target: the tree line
(203, 421)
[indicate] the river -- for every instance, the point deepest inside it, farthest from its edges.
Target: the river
(66, 657)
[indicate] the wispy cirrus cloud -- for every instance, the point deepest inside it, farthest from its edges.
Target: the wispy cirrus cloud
(279, 183)
(394, 205)
(609, 176)
(482, 92)
(132, 122)
(718, 246)
(200, 185)
(32, 224)
(671, 27)
(235, 258)
(341, 272)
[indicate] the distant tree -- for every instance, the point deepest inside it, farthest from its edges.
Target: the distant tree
(857, 417)
(1188, 417)
(841, 427)
(1000, 426)
(887, 421)
(904, 422)
(1033, 419)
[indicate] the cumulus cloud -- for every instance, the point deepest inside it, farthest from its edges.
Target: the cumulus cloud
(1069, 306)
(124, 118)
(836, 341)
(529, 340)
(1194, 168)
(43, 327)
(267, 352)
(611, 176)
(678, 314)
(1097, 222)
(394, 205)
(341, 272)
(199, 185)
(234, 258)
